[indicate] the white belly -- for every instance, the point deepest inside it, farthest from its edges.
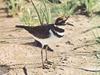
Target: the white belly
(52, 39)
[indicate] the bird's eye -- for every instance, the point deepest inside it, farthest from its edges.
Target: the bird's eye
(60, 21)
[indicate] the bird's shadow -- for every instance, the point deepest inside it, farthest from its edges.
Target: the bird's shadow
(34, 43)
(4, 69)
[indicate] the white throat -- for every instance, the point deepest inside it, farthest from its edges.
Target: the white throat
(61, 27)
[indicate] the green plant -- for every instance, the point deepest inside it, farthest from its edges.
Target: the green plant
(14, 6)
(38, 14)
(97, 41)
(89, 5)
(26, 17)
(44, 13)
(65, 9)
(40, 11)
(69, 7)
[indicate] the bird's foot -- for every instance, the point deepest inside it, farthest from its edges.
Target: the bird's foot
(49, 49)
(48, 62)
(45, 67)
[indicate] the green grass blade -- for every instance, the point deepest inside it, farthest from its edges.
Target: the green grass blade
(37, 12)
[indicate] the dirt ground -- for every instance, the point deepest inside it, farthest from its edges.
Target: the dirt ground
(74, 55)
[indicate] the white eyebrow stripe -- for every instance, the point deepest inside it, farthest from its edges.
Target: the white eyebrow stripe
(61, 27)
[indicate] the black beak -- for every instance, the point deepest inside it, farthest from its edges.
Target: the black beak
(66, 18)
(69, 24)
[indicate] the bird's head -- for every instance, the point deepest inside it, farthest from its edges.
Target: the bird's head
(61, 22)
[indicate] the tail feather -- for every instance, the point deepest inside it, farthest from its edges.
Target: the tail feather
(28, 28)
(20, 26)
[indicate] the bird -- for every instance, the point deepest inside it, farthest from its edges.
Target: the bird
(47, 34)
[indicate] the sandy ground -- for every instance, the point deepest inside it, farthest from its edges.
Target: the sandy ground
(74, 55)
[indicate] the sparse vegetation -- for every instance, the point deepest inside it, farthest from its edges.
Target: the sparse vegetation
(14, 7)
(42, 14)
(82, 39)
(49, 10)
(27, 17)
(64, 9)
(88, 6)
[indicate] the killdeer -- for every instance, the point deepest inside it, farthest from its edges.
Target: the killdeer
(47, 34)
